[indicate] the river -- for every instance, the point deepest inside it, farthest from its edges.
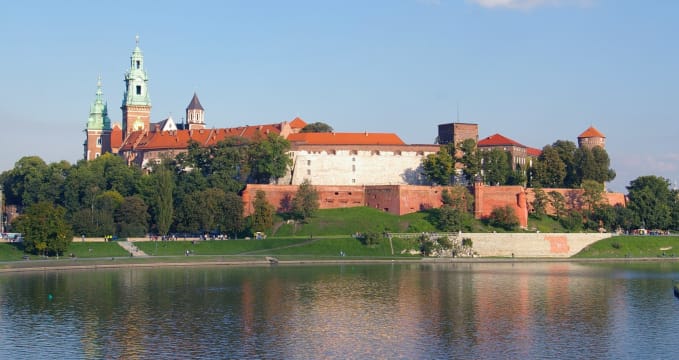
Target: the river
(394, 311)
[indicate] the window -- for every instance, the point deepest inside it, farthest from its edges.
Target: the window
(99, 142)
(138, 64)
(308, 172)
(308, 162)
(138, 90)
(96, 155)
(353, 168)
(353, 181)
(353, 159)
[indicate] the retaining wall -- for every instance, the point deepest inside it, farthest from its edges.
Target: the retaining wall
(559, 245)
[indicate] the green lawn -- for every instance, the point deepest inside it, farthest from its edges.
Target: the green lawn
(214, 247)
(95, 250)
(632, 246)
(331, 247)
(348, 221)
(10, 252)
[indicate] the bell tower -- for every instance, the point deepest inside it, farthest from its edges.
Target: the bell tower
(136, 101)
(195, 114)
(98, 130)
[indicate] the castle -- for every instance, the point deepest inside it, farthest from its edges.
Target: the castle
(349, 169)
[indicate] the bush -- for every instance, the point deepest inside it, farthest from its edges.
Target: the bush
(370, 238)
(504, 217)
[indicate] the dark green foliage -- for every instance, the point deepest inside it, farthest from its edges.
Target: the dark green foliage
(262, 217)
(572, 221)
(317, 127)
(540, 203)
(305, 203)
(496, 166)
(132, 217)
(439, 167)
(370, 238)
(269, 159)
(44, 229)
(211, 210)
(470, 160)
(450, 219)
(651, 199)
(558, 202)
(504, 217)
(549, 171)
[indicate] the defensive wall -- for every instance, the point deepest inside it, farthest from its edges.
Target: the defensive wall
(406, 199)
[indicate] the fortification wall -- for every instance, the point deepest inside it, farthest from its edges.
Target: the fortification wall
(280, 196)
(557, 245)
(487, 198)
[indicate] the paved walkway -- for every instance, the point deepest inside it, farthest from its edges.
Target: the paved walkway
(131, 248)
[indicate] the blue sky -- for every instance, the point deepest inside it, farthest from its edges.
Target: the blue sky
(533, 70)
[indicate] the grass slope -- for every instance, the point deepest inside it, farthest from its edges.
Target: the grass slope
(214, 247)
(348, 221)
(632, 246)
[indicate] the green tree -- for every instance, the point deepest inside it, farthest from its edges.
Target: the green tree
(504, 217)
(652, 201)
(470, 159)
(496, 166)
(439, 167)
(317, 127)
(164, 204)
(230, 218)
(305, 202)
(45, 229)
(540, 202)
(262, 217)
(566, 151)
(132, 218)
(269, 159)
(558, 202)
(549, 170)
(592, 194)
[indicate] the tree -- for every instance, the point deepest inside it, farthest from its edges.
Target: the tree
(540, 202)
(450, 219)
(558, 202)
(230, 215)
(131, 217)
(305, 203)
(439, 167)
(262, 217)
(164, 205)
(549, 170)
(504, 217)
(317, 127)
(652, 201)
(496, 166)
(269, 159)
(44, 229)
(458, 197)
(470, 160)
(566, 151)
(592, 194)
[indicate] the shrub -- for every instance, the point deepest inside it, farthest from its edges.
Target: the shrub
(504, 217)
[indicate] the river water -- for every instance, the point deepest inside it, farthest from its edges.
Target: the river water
(392, 311)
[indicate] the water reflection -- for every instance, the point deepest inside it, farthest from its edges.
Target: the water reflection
(522, 310)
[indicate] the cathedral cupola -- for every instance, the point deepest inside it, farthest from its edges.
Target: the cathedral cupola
(136, 105)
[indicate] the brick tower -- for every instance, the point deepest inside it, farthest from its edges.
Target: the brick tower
(98, 130)
(136, 101)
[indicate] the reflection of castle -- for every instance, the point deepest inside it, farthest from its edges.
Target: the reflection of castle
(352, 169)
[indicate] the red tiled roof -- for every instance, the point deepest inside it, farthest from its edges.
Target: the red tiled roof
(116, 136)
(534, 152)
(591, 132)
(498, 140)
(297, 123)
(346, 139)
(180, 139)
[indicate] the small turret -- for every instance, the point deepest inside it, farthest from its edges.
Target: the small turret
(195, 114)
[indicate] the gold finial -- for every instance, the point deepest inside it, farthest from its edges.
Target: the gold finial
(136, 39)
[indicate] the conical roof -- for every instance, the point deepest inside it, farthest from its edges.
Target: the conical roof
(591, 132)
(195, 103)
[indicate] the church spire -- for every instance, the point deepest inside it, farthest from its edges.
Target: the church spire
(98, 119)
(136, 101)
(195, 114)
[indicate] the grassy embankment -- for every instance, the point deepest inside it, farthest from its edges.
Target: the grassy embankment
(632, 247)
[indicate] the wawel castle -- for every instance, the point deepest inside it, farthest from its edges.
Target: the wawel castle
(353, 169)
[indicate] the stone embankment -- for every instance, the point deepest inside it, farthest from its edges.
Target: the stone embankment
(538, 245)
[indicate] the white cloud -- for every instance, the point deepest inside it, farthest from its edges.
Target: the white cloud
(528, 4)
